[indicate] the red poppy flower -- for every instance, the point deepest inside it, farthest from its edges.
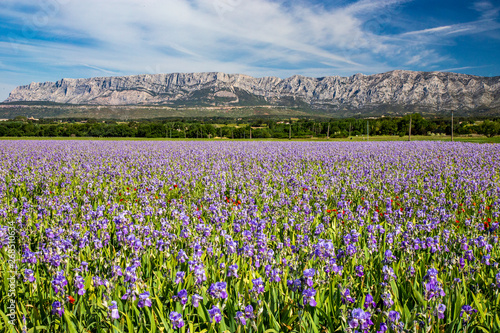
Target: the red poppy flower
(71, 299)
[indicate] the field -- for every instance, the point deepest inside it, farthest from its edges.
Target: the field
(215, 236)
(474, 139)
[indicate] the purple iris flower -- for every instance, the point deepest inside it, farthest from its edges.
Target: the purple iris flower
(179, 277)
(218, 290)
(129, 293)
(394, 316)
(258, 286)
(114, 310)
(176, 319)
(389, 257)
(294, 285)
(433, 288)
(369, 303)
(308, 275)
(59, 282)
(360, 271)
(346, 296)
(57, 308)
(200, 275)
(387, 299)
(361, 319)
(309, 296)
(383, 328)
(29, 275)
(440, 309)
(388, 272)
(232, 270)
(215, 314)
(144, 300)
(195, 300)
(275, 275)
(182, 256)
(241, 318)
(467, 309)
(249, 312)
(181, 296)
(80, 285)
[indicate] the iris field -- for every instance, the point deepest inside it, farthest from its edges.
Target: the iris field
(123, 236)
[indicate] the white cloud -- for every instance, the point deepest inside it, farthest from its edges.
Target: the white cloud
(258, 37)
(429, 31)
(128, 35)
(487, 9)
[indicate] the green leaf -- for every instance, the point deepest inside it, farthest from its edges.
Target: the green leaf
(129, 323)
(69, 322)
(418, 296)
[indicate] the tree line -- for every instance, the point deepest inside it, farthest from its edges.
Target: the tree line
(246, 129)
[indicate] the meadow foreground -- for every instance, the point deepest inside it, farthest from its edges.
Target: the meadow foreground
(122, 236)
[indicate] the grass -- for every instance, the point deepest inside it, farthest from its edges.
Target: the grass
(478, 139)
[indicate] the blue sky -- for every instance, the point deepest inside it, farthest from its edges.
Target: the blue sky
(47, 40)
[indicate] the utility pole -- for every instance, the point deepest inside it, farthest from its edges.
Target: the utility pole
(232, 134)
(328, 133)
(409, 130)
(451, 126)
(290, 132)
(349, 129)
(367, 131)
(250, 133)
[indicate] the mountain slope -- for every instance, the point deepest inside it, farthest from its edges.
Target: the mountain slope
(404, 90)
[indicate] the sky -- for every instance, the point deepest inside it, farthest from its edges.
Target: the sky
(46, 40)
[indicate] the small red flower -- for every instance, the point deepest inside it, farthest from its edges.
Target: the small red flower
(71, 299)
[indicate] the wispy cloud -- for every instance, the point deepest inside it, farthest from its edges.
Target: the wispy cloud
(462, 29)
(186, 35)
(486, 22)
(487, 9)
(58, 38)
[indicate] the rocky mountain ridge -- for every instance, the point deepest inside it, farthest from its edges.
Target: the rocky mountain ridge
(437, 91)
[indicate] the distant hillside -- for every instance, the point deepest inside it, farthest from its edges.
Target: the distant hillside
(391, 93)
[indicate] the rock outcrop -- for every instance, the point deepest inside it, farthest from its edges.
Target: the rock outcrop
(434, 90)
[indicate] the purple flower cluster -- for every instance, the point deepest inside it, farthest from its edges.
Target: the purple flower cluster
(213, 225)
(218, 290)
(360, 319)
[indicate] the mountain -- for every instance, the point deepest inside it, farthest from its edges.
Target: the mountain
(392, 92)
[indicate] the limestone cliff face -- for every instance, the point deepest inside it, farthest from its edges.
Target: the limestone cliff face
(435, 90)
